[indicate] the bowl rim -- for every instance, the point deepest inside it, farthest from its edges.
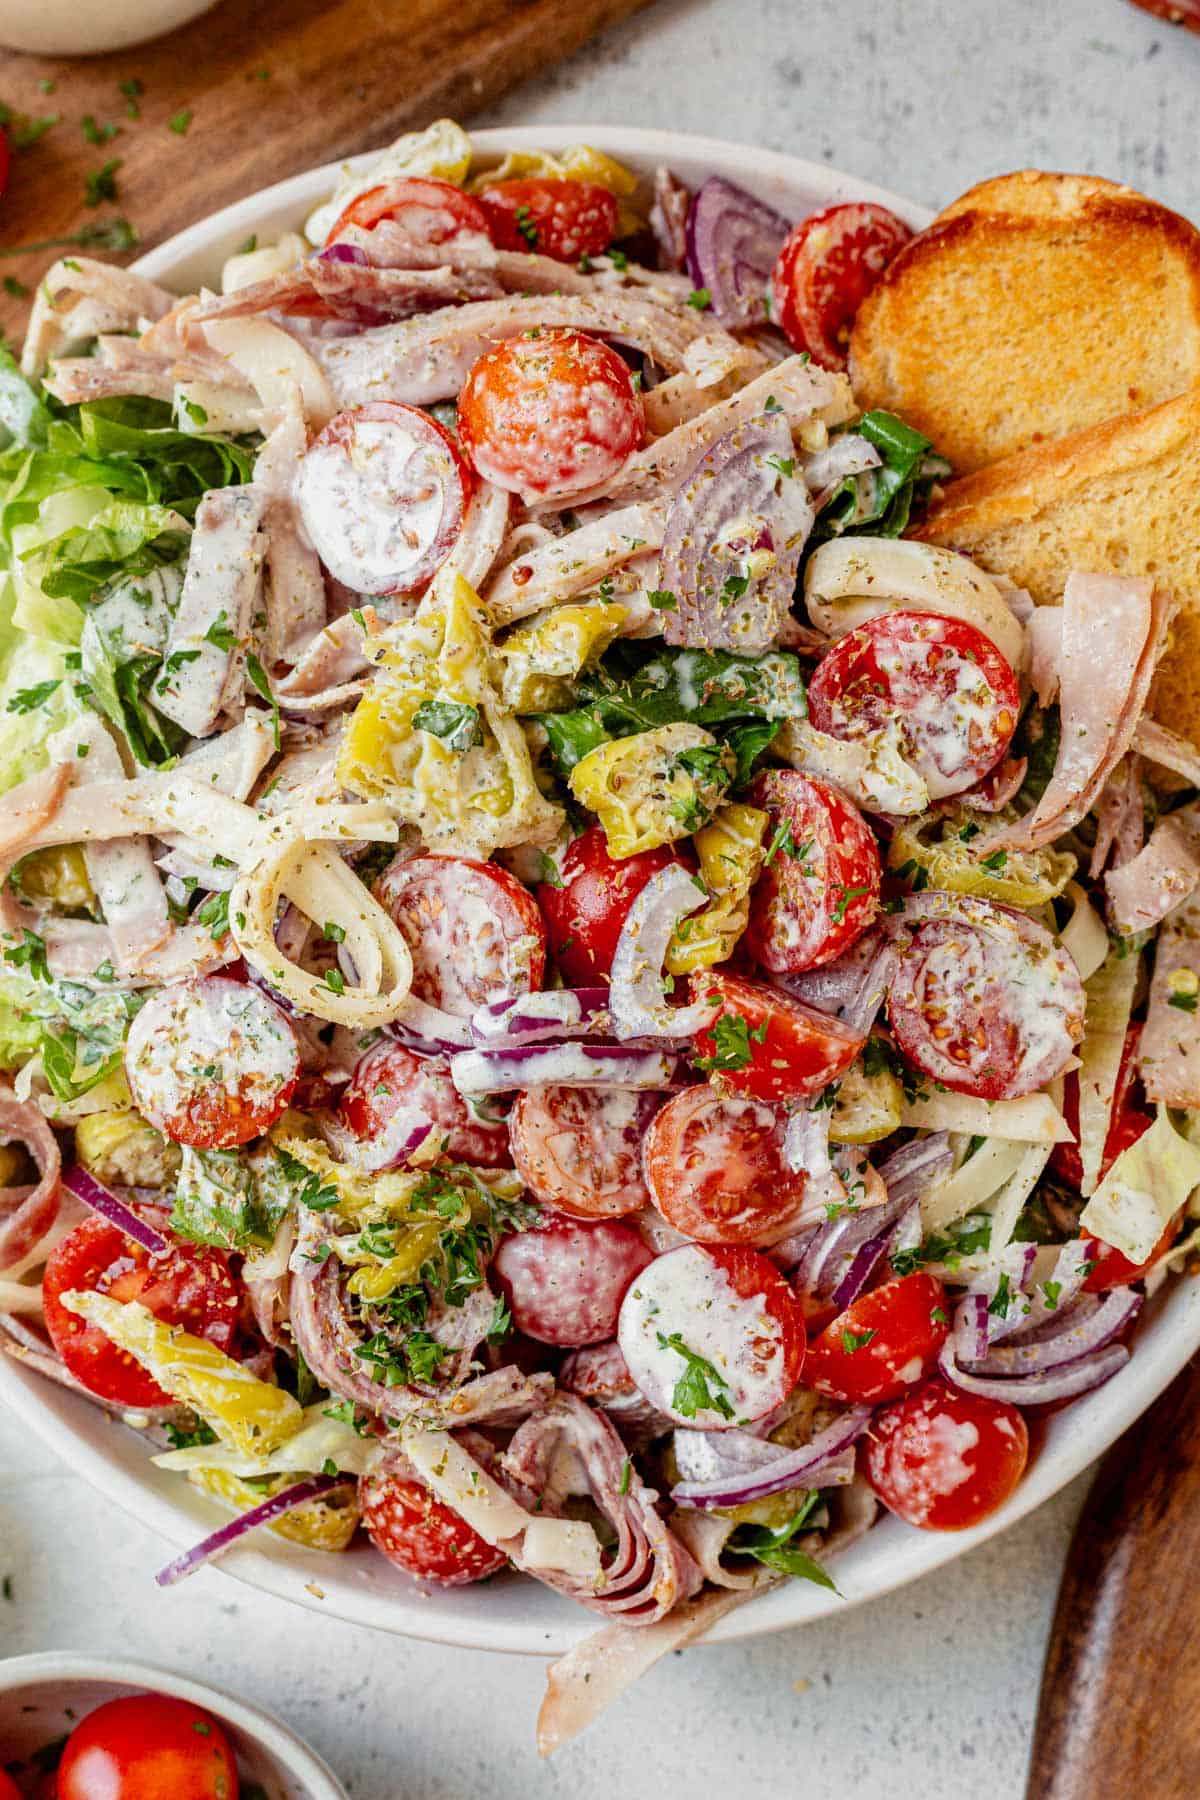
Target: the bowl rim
(891, 1554)
(270, 1733)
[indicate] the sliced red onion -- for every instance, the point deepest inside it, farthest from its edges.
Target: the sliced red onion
(342, 253)
(1081, 1332)
(93, 1193)
(1014, 1265)
(789, 1468)
(909, 1230)
(637, 996)
(863, 1266)
(735, 533)
(560, 1065)
(847, 454)
(1071, 1269)
(398, 1140)
(1063, 1383)
(311, 1488)
(862, 1008)
(911, 1171)
(430, 1030)
(555, 1014)
(841, 985)
(971, 1332)
(732, 243)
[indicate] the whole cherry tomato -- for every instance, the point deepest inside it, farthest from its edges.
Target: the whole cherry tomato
(148, 1747)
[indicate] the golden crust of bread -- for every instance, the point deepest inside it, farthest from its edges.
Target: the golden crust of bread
(1124, 497)
(1034, 306)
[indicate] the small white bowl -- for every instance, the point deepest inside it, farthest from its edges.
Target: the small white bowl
(43, 1698)
(90, 27)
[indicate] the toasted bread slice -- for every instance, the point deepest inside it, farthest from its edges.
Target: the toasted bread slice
(1122, 497)
(1034, 306)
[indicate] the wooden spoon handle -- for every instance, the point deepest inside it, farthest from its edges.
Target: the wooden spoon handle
(1118, 1719)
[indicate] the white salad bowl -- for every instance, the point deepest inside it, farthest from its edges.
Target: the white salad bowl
(514, 1613)
(43, 1698)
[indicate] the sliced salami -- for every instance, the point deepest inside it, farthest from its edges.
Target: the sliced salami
(27, 1213)
(716, 1171)
(475, 933)
(947, 687)
(564, 1281)
(712, 1337)
(399, 1106)
(580, 1149)
(382, 493)
(212, 1063)
(983, 999)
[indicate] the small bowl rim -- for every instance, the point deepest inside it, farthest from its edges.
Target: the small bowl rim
(270, 1733)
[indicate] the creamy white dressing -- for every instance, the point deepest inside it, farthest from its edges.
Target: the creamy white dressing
(372, 500)
(214, 1034)
(688, 1295)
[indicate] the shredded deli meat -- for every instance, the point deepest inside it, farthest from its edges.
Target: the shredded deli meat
(27, 1213)
(1112, 633)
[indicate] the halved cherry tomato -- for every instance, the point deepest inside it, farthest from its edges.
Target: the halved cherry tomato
(8, 1787)
(549, 414)
(421, 1534)
(985, 1001)
(712, 1337)
(565, 1280)
(819, 889)
(584, 913)
(944, 1460)
(144, 1748)
(431, 211)
(1113, 1268)
(556, 217)
(883, 1344)
(827, 267)
(389, 1080)
(212, 1062)
(1127, 1120)
(768, 1044)
(475, 933)
(580, 1149)
(942, 681)
(714, 1166)
(382, 493)
(186, 1285)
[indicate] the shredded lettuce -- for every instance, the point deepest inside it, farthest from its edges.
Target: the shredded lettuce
(78, 1030)
(219, 1199)
(1147, 1185)
(743, 700)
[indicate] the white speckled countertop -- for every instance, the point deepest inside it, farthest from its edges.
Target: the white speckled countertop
(932, 1690)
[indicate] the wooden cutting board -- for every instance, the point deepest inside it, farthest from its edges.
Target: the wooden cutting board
(1118, 1718)
(271, 87)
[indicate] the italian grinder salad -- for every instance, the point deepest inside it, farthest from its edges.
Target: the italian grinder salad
(573, 998)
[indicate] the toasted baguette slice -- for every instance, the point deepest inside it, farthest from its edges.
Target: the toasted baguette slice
(1122, 497)
(1034, 306)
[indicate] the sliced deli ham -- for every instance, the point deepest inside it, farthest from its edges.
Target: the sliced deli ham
(207, 647)
(1159, 878)
(1169, 1049)
(569, 1453)
(1112, 633)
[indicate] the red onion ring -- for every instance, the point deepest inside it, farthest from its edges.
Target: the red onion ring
(554, 1014)
(312, 1488)
(560, 1065)
(791, 1468)
(94, 1194)
(637, 997)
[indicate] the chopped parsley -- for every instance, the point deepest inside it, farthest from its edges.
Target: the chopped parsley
(258, 679)
(732, 1037)
(305, 1183)
(132, 89)
(996, 860)
(856, 1340)
(97, 134)
(27, 700)
(777, 1549)
(214, 915)
(733, 588)
(101, 184)
(698, 1388)
(700, 299)
(663, 600)
(845, 896)
(30, 954)
(454, 721)
(1185, 1002)
(179, 122)
(219, 633)
(523, 220)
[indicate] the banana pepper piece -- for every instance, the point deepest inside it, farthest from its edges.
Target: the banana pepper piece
(730, 853)
(936, 847)
(653, 788)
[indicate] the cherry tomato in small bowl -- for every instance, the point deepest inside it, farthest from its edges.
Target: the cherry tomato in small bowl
(148, 1747)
